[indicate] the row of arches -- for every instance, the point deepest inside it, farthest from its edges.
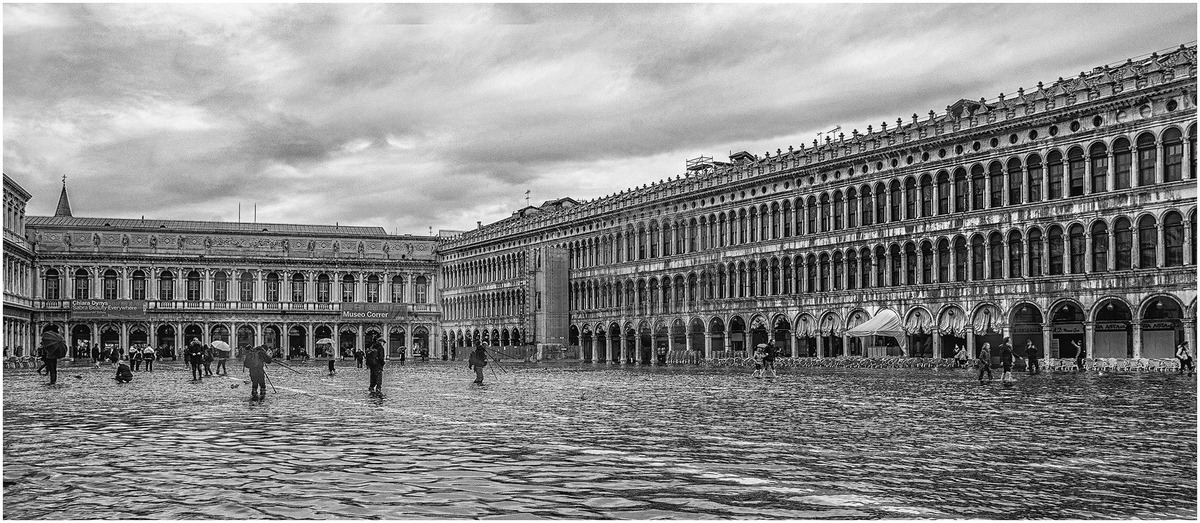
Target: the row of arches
(1099, 246)
(223, 286)
(497, 268)
(1055, 174)
(1110, 327)
(502, 303)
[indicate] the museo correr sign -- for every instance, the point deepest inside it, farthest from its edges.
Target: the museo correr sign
(102, 309)
(373, 311)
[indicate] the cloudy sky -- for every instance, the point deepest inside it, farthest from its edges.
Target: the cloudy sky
(411, 116)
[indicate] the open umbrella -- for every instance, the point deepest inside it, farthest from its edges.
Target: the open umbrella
(221, 346)
(325, 341)
(55, 345)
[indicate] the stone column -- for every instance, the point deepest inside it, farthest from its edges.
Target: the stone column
(1110, 176)
(1137, 339)
(1047, 332)
(1087, 252)
(1089, 337)
(624, 348)
(971, 343)
(937, 344)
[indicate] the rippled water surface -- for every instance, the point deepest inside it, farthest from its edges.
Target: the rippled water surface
(599, 442)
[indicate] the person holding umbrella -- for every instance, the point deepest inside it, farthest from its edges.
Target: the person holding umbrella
(223, 351)
(55, 347)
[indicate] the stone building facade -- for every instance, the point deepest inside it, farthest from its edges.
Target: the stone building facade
(323, 290)
(19, 334)
(1064, 214)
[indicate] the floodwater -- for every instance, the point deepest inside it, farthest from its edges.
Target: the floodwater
(599, 442)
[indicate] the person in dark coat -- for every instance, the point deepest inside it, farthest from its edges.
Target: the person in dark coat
(985, 361)
(55, 347)
(255, 360)
(374, 360)
(358, 357)
(478, 361)
(135, 358)
(1006, 360)
(207, 358)
(1185, 358)
(1031, 352)
(194, 355)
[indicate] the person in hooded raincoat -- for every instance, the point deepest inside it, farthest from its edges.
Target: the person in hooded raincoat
(478, 361)
(374, 360)
(255, 360)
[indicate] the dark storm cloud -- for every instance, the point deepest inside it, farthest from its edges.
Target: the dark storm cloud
(408, 115)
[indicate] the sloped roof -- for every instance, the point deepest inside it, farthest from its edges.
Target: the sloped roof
(187, 225)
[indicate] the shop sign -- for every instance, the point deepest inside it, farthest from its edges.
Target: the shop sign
(103, 309)
(373, 311)
(1070, 328)
(1102, 326)
(1027, 328)
(1158, 325)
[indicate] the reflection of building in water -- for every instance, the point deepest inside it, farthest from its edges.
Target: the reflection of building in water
(1059, 214)
(299, 288)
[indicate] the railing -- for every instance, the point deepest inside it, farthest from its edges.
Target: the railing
(151, 305)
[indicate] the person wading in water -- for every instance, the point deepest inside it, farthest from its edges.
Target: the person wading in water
(255, 360)
(478, 361)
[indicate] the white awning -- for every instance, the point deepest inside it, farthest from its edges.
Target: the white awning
(886, 323)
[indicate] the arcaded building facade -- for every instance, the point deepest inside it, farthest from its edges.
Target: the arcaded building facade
(321, 290)
(1060, 214)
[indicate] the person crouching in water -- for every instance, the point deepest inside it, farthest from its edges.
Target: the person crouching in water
(124, 374)
(256, 358)
(478, 361)
(375, 361)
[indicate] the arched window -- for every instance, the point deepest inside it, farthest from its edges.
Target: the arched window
(1078, 252)
(1016, 254)
(962, 191)
(894, 200)
(910, 263)
(193, 286)
(764, 222)
(926, 262)
(1147, 243)
(851, 208)
(864, 268)
(810, 267)
(825, 213)
(824, 280)
(1034, 168)
(297, 288)
(644, 241)
(420, 289)
(812, 215)
(867, 206)
(1173, 239)
(851, 270)
(996, 255)
(881, 203)
(910, 199)
(110, 285)
(373, 288)
(220, 291)
(1098, 154)
(1122, 244)
(1122, 164)
(349, 292)
(961, 259)
(1099, 247)
(1147, 158)
(273, 287)
(693, 234)
(926, 196)
(943, 260)
(943, 192)
(1015, 177)
(977, 187)
(653, 234)
(787, 218)
(1172, 156)
(82, 285)
(1057, 249)
(751, 236)
(397, 289)
(838, 211)
(881, 263)
(1075, 171)
(774, 223)
(166, 286)
(1054, 166)
(53, 285)
(245, 287)
(1035, 252)
(996, 195)
(324, 284)
(977, 257)
(137, 287)
(897, 265)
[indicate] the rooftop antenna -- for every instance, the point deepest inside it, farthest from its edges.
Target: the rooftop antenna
(526, 193)
(256, 212)
(239, 212)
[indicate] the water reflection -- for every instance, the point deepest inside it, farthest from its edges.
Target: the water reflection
(597, 442)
